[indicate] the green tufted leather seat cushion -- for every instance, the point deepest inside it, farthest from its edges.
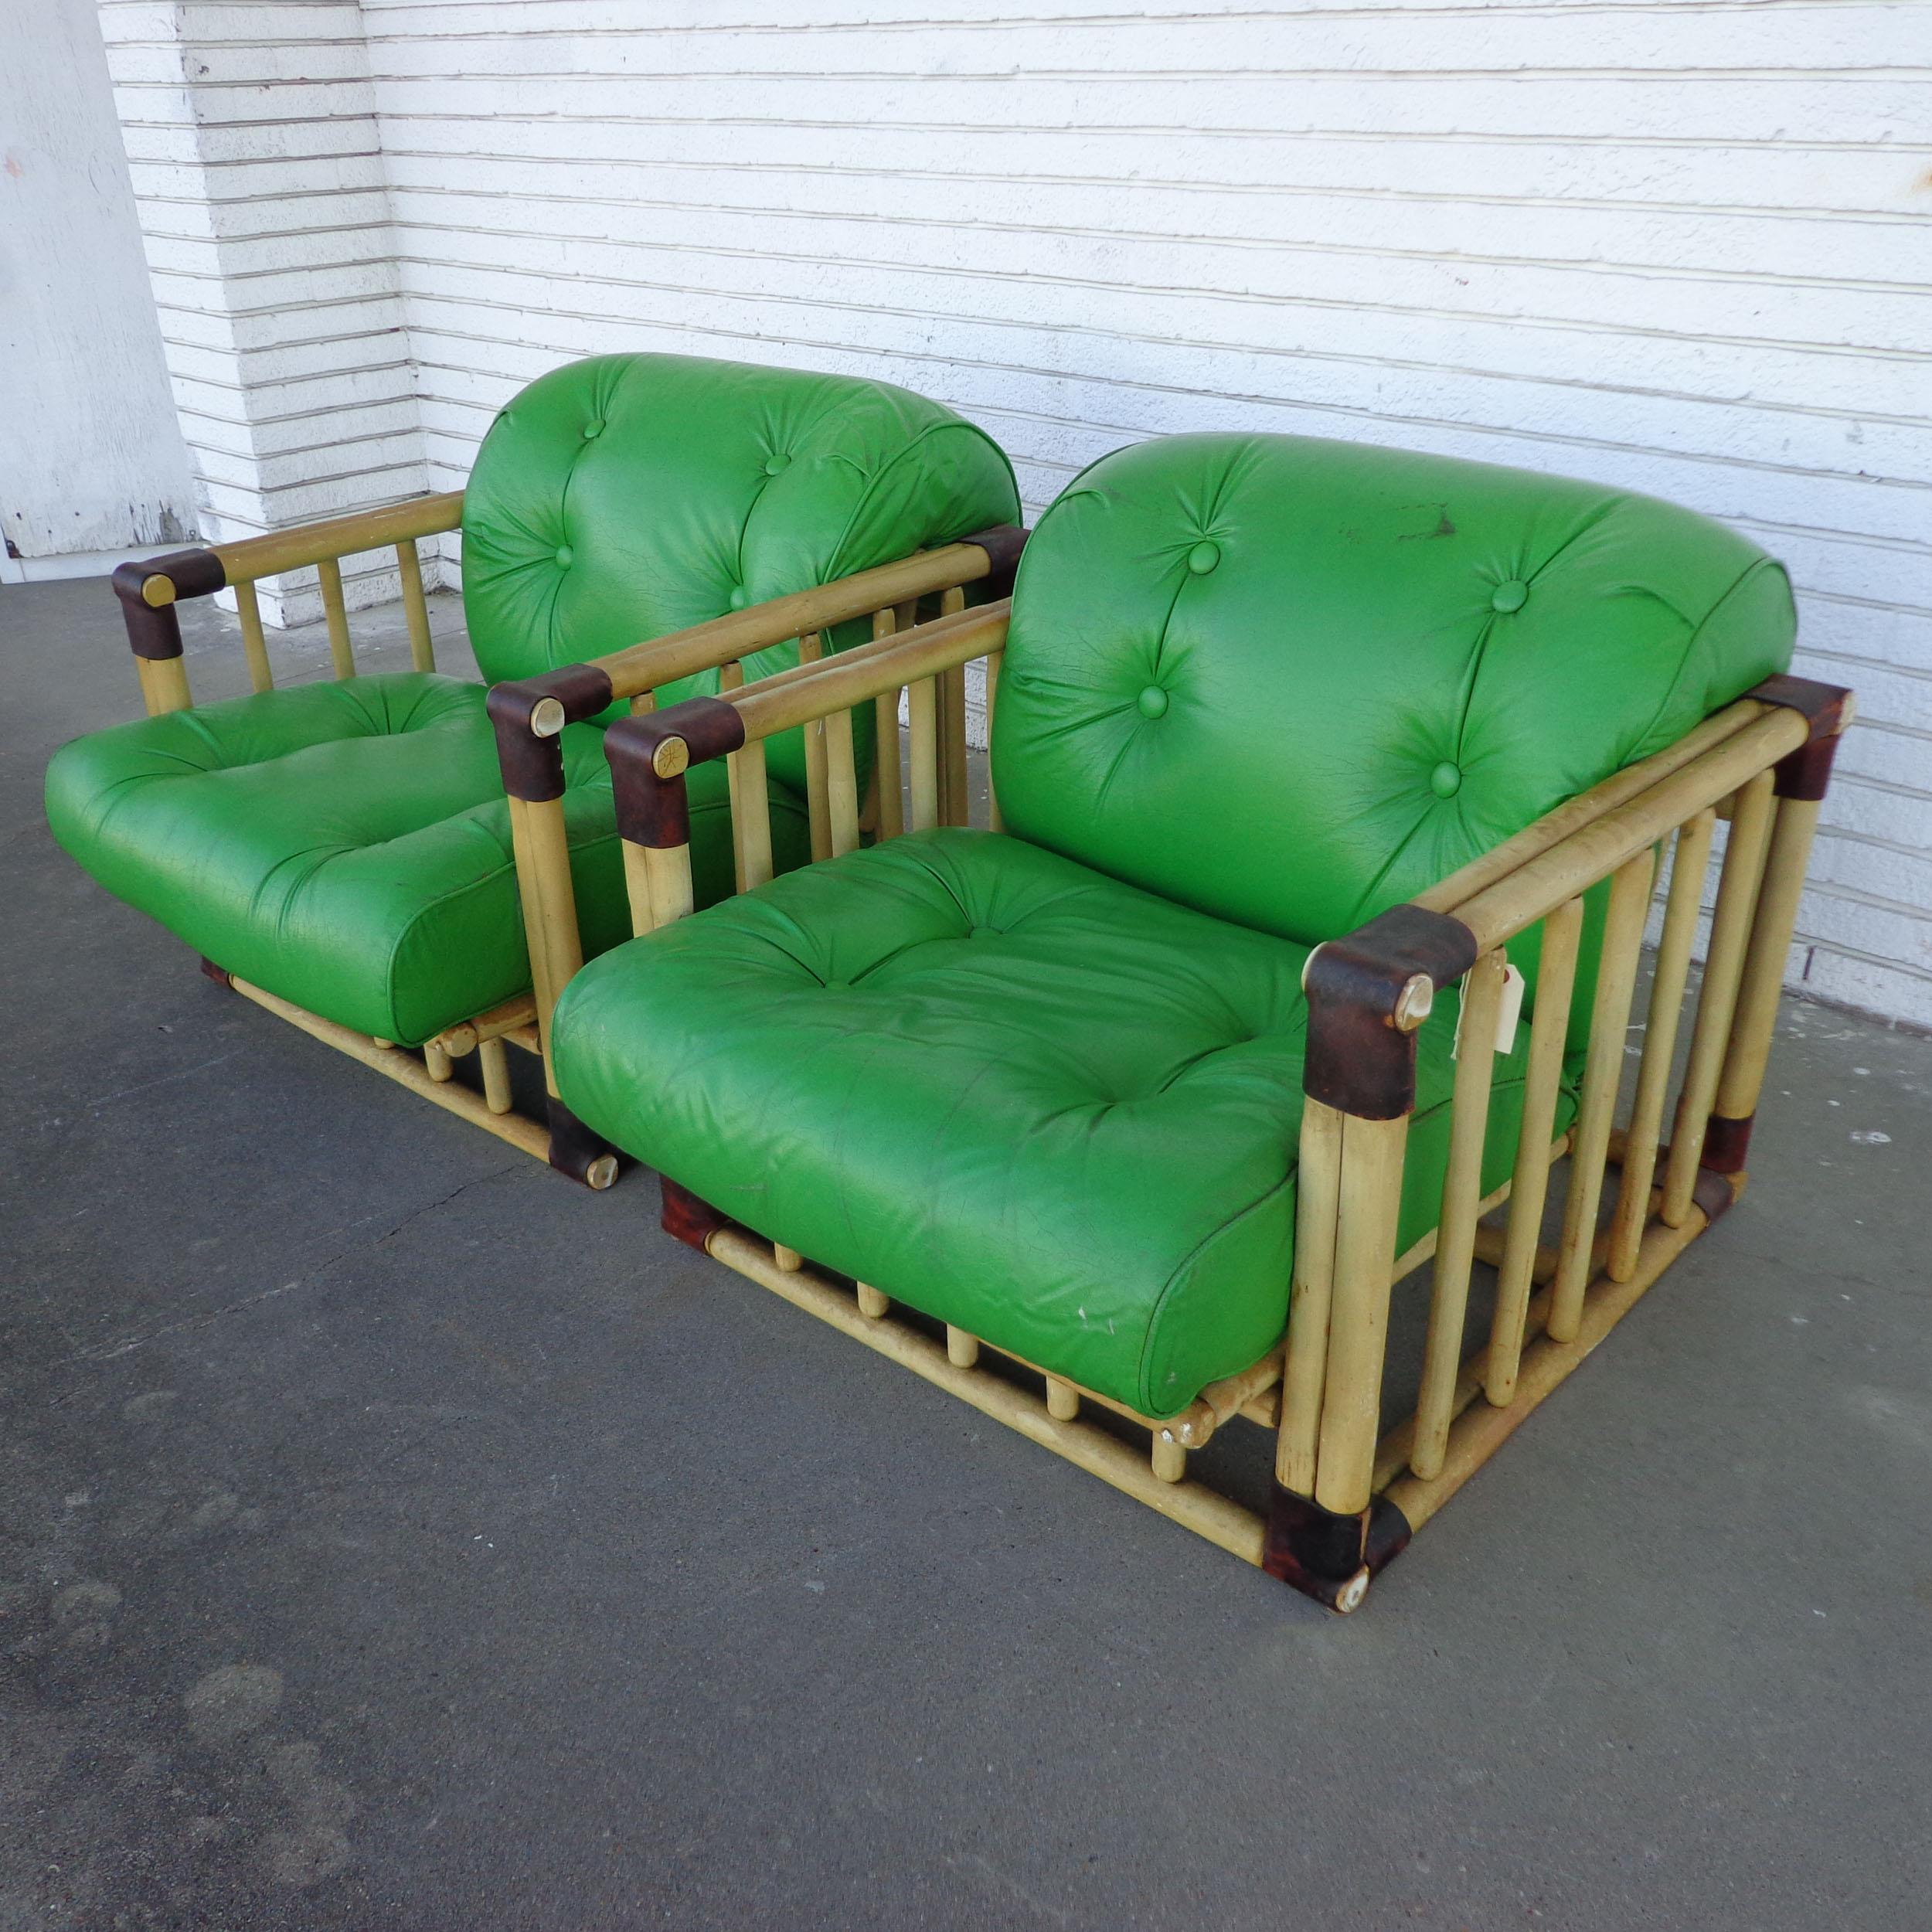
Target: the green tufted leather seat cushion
(1047, 1086)
(347, 846)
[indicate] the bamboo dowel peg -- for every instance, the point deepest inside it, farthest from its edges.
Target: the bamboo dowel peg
(494, 1060)
(254, 645)
(962, 1349)
(1370, 1196)
(1755, 1016)
(1169, 1457)
(1603, 1072)
(164, 684)
(922, 717)
(1318, 1177)
(386, 1046)
(1737, 891)
(871, 1303)
(789, 1259)
(1062, 1399)
(1691, 859)
(436, 1061)
(1461, 1208)
(416, 611)
(329, 575)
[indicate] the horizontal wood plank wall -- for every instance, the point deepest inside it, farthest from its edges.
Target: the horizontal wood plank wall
(1677, 247)
(257, 170)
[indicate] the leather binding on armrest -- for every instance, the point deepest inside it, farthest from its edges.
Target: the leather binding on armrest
(532, 759)
(153, 629)
(1002, 543)
(647, 773)
(1826, 708)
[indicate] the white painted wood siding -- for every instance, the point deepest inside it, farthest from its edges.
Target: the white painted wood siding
(1676, 244)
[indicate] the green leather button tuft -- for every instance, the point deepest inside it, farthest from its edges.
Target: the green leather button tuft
(777, 465)
(592, 429)
(1446, 780)
(565, 556)
(1203, 557)
(738, 598)
(1510, 595)
(1152, 702)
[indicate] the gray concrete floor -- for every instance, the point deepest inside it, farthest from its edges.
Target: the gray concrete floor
(397, 1537)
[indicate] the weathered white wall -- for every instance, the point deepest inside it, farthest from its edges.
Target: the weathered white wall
(1680, 247)
(91, 460)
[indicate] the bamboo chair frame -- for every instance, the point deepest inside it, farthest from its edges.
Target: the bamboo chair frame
(528, 716)
(1350, 1488)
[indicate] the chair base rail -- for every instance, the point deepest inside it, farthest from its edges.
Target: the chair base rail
(1331, 1559)
(595, 1166)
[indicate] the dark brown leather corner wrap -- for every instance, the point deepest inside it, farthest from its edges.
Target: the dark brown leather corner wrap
(533, 766)
(1727, 1142)
(1714, 1193)
(1002, 543)
(1807, 773)
(1358, 1060)
(688, 1216)
(573, 1148)
(653, 811)
(220, 974)
(1319, 1552)
(155, 631)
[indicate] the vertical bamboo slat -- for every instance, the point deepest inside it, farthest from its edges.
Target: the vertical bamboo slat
(842, 784)
(436, 1061)
(1529, 1184)
(415, 612)
(1461, 1197)
(550, 905)
(1603, 1070)
(923, 711)
(329, 574)
(750, 814)
(954, 799)
(962, 1349)
(731, 677)
(1744, 859)
(1062, 1399)
(1318, 1182)
(1758, 992)
(254, 645)
(891, 804)
(164, 684)
(994, 660)
(1364, 1249)
(492, 1058)
(1688, 865)
(817, 806)
(667, 883)
(871, 1303)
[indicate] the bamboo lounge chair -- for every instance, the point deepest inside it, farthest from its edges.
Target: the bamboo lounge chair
(344, 852)
(1310, 759)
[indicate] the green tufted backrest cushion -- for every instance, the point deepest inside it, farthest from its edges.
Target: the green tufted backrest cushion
(1293, 683)
(619, 498)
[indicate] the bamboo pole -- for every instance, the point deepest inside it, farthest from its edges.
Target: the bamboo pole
(667, 875)
(341, 652)
(463, 1037)
(164, 684)
(1190, 1504)
(254, 645)
(1744, 859)
(1529, 1181)
(1318, 1182)
(789, 1259)
(1369, 1197)
(416, 611)
(1167, 1458)
(950, 686)
(1063, 1399)
(249, 558)
(436, 1063)
(494, 1061)
(750, 815)
(1521, 898)
(731, 677)
(1691, 859)
(542, 848)
(995, 662)
(872, 1305)
(1461, 1208)
(962, 1349)
(1748, 1050)
(406, 1070)
(817, 784)
(923, 711)
(1603, 1071)
(842, 783)
(886, 767)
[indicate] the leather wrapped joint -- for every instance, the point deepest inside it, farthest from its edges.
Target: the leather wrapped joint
(1002, 543)
(653, 810)
(532, 762)
(153, 629)
(1361, 1055)
(1806, 773)
(574, 1148)
(1326, 1555)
